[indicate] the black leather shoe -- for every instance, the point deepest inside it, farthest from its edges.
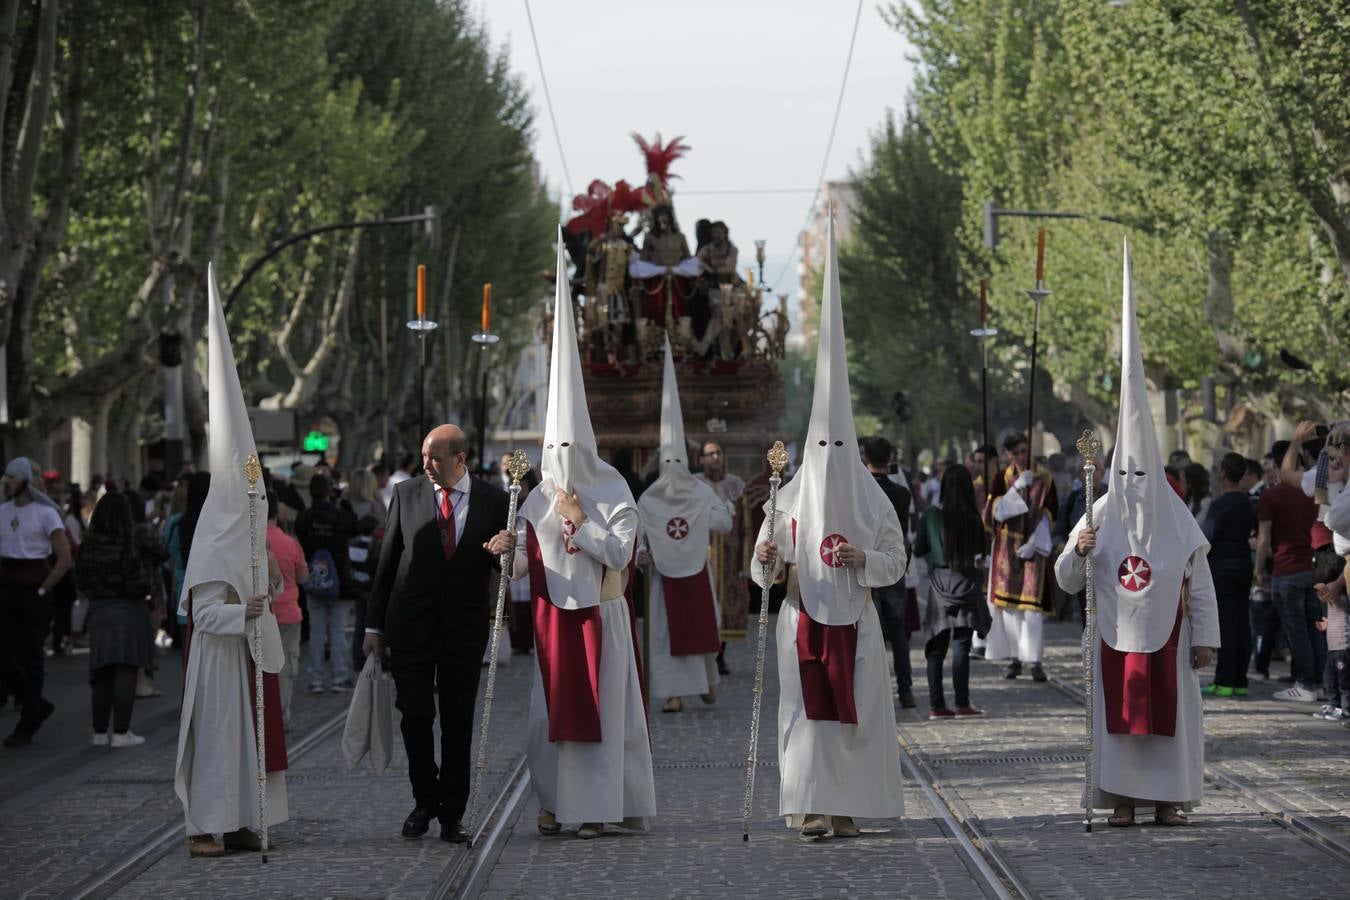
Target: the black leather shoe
(454, 833)
(418, 821)
(1014, 669)
(1037, 673)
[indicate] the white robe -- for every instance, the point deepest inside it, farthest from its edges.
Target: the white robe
(1015, 634)
(216, 774)
(828, 767)
(677, 676)
(610, 781)
(680, 676)
(1154, 768)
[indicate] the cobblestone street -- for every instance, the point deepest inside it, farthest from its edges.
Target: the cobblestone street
(69, 812)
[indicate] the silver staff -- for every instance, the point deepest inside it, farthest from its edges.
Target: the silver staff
(1088, 448)
(252, 472)
(517, 467)
(778, 459)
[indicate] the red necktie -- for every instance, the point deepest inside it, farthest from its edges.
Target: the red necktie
(447, 524)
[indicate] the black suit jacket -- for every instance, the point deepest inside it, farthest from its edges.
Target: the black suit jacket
(427, 606)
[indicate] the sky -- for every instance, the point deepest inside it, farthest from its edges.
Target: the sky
(751, 85)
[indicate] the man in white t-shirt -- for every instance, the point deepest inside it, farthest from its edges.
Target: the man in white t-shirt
(30, 533)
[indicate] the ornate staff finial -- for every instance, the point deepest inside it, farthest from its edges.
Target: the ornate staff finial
(252, 470)
(518, 466)
(1088, 445)
(778, 458)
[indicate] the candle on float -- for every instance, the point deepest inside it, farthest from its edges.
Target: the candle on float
(1040, 257)
(487, 306)
(984, 302)
(421, 292)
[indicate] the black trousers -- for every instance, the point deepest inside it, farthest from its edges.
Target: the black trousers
(25, 618)
(114, 695)
(1232, 585)
(420, 685)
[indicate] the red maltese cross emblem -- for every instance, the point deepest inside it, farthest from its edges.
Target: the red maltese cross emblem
(569, 529)
(828, 546)
(1135, 573)
(677, 528)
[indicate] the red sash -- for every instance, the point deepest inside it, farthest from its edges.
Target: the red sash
(691, 614)
(826, 656)
(274, 740)
(567, 643)
(1139, 690)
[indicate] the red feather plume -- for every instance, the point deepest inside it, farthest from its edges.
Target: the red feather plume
(658, 157)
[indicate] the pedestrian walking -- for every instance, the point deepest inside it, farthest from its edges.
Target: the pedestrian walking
(1228, 526)
(586, 740)
(679, 514)
(35, 535)
(891, 599)
(429, 605)
(325, 530)
(1149, 556)
(952, 537)
(114, 577)
(841, 537)
(294, 572)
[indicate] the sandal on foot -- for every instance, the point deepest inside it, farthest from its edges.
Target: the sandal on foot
(814, 826)
(1168, 815)
(673, 705)
(204, 846)
(590, 830)
(1123, 817)
(844, 827)
(709, 698)
(548, 823)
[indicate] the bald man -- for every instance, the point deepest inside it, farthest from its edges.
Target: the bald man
(429, 606)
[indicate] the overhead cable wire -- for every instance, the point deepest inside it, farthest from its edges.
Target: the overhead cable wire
(829, 144)
(548, 99)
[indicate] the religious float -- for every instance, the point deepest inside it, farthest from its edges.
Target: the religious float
(636, 280)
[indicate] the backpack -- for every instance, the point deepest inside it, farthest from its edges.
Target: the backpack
(323, 581)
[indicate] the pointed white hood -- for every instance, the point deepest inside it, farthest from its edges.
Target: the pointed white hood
(676, 508)
(832, 496)
(226, 535)
(571, 461)
(1146, 534)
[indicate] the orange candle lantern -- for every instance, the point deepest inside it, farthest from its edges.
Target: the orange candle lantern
(421, 292)
(1040, 257)
(487, 306)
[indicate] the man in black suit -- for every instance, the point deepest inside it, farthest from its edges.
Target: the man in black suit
(429, 604)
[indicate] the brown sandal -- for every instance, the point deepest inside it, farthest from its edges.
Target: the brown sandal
(1123, 817)
(1169, 815)
(548, 823)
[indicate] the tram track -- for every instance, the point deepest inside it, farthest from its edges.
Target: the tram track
(1304, 827)
(466, 872)
(462, 876)
(170, 834)
(995, 876)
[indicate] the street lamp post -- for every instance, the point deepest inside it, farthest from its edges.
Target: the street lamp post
(421, 326)
(484, 338)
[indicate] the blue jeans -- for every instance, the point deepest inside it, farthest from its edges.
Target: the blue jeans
(890, 603)
(935, 651)
(1300, 609)
(328, 620)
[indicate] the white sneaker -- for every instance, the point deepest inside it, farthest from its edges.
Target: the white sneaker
(126, 740)
(1329, 713)
(100, 740)
(1297, 692)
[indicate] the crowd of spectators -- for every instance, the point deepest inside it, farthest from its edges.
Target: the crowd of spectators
(1279, 533)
